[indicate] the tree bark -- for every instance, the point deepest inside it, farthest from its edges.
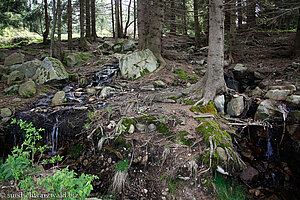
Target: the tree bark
(184, 17)
(240, 14)
(70, 43)
(88, 18)
(297, 44)
(134, 22)
(46, 33)
(93, 14)
(172, 18)
(121, 20)
(196, 21)
(82, 23)
(227, 14)
(232, 32)
(58, 47)
(128, 18)
(117, 15)
(251, 5)
(113, 18)
(143, 22)
(54, 13)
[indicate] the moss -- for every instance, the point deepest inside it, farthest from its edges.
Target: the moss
(195, 109)
(209, 108)
(127, 122)
(173, 98)
(189, 102)
(193, 78)
(85, 56)
(182, 139)
(144, 72)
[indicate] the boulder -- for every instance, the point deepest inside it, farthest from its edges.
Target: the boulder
(75, 59)
(219, 103)
(107, 45)
(51, 69)
(278, 94)
(256, 92)
(28, 68)
(15, 58)
(58, 98)
(6, 112)
(27, 89)
(295, 99)
(15, 76)
(294, 131)
(249, 174)
(236, 106)
(137, 64)
(267, 109)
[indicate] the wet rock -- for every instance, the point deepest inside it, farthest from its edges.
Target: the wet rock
(141, 127)
(137, 64)
(267, 109)
(11, 90)
(27, 89)
(51, 69)
(106, 91)
(295, 99)
(16, 100)
(256, 92)
(159, 83)
(15, 58)
(220, 103)
(58, 98)
(78, 94)
(236, 106)
(284, 87)
(148, 87)
(278, 94)
(258, 75)
(222, 153)
(91, 91)
(249, 174)
(131, 129)
(6, 112)
(15, 76)
(240, 68)
(151, 127)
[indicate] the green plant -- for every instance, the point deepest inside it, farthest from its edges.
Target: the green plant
(227, 191)
(122, 166)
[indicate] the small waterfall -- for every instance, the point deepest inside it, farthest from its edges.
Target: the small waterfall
(269, 152)
(54, 136)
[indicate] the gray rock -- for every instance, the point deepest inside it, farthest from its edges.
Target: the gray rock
(16, 100)
(15, 58)
(131, 129)
(137, 64)
(236, 106)
(15, 76)
(294, 131)
(290, 87)
(167, 97)
(220, 103)
(128, 45)
(240, 68)
(148, 87)
(278, 94)
(58, 98)
(221, 152)
(200, 62)
(259, 76)
(140, 127)
(107, 91)
(28, 68)
(27, 89)
(159, 83)
(267, 109)
(51, 69)
(91, 91)
(11, 90)
(6, 112)
(107, 45)
(249, 174)
(75, 59)
(295, 99)
(256, 92)
(151, 127)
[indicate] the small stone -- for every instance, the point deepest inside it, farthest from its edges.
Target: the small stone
(295, 99)
(109, 160)
(258, 75)
(107, 91)
(140, 127)
(131, 129)
(145, 191)
(220, 103)
(16, 100)
(284, 87)
(6, 112)
(200, 62)
(27, 89)
(159, 83)
(256, 92)
(278, 94)
(188, 84)
(182, 121)
(58, 98)
(91, 99)
(236, 106)
(78, 94)
(151, 127)
(98, 88)
(67, 89)
(85, 163)
(249, 174)
(240, 68)
(221, 152)
(91, 91)
(148, 87)
(79, 90)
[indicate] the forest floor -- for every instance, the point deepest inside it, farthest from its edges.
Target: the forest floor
(162, 167)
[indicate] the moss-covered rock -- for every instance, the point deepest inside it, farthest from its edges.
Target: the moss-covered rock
(15, 58)
(14, 77)
(27, 89)
(76, 59)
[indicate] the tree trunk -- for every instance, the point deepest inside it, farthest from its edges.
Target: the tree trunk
(113, 18)
(143, 22)
(59, 53)
(134, 22)
(184, 17)
(128, 18)
(251, 5)
(88, 19)
(117, 15)
(54, 13)
(93, 14)
(121, 20)
(227, 14)
(232, 32)
(240, 13)
(297, 45)
(70, 21)
(82, 23)
(196, 21)
(46, 33)
(172, 18)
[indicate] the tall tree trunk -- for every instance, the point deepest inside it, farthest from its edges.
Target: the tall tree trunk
(227, 14)
(70, 44)
(184, 17)
(113, 18)
(47, 27)
(93, 12)
(172, 18)
(240, 13)
(121, 19)
(297, 44)
(232, 32)
(134, 22)
(128, 18)
(82, 41)
(251, 5)
(54, 13)
(88, 18)
(117, 15)
(59, 53)
(143, 22)
(196, 21)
